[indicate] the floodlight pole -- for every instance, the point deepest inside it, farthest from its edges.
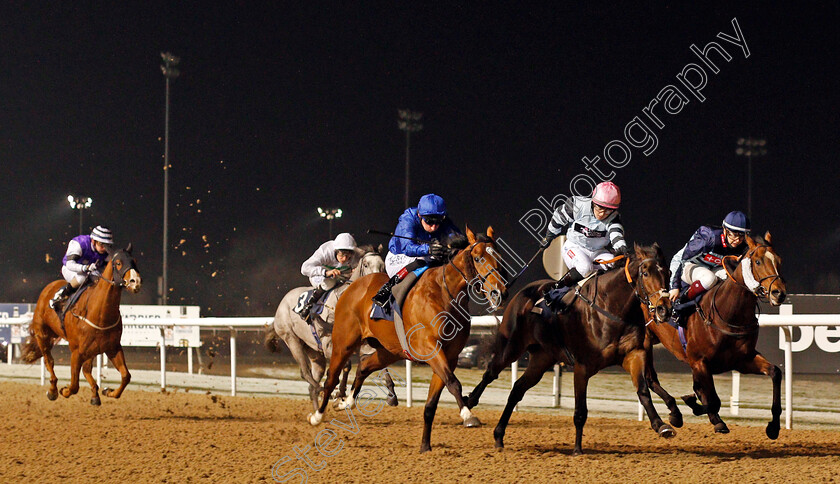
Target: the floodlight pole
(409, 122)
(169, 72)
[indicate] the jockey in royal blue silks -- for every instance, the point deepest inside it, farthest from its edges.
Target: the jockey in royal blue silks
(85, 255)
(417, 243)
(699, 264)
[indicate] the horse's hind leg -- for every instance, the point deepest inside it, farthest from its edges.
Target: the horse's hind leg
(45, 345)
(342, 386)
(117, 357)
(367, 365)
(539, 362)
(75, 366)
(635, 363)
(87, 366)
(582, 376)
(443, 369)
(340, 355)
(760, 365)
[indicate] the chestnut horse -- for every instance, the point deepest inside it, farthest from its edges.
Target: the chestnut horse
(722, 334)
(436, 321)
(92, 326)
(604, 327)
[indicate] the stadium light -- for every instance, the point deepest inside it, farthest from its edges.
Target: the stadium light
(81, 204)
(169, 72)
(330, 214)
(750, 147)
(410, 123)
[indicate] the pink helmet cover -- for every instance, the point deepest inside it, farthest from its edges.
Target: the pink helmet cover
(607, 194)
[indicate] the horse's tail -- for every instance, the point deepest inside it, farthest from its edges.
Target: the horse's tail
(271, 340)
(31, 352)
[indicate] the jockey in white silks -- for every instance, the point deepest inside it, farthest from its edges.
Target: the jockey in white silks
(323, 268)
(593, 233)
(85, 255)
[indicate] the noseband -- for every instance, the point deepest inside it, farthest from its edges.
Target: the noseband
(482, 278)
(752, 284)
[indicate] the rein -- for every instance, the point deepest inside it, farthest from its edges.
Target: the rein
(644, 299)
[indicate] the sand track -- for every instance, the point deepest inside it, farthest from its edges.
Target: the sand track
(189, 437)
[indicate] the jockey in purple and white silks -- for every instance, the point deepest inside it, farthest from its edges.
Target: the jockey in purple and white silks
(323, 268)
(417, 243)
(699, 264)
(593, 232)
(85, 254)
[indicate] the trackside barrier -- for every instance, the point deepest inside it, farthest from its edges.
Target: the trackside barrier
(784, 320)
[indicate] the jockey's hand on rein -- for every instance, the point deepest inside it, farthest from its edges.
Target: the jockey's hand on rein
(438, 251)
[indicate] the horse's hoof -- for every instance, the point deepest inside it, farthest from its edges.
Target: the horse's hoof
(107, 392)
(665, 431)
(577, 452)
(772, 430)
(52, 396)
(676, 419)
(425, 448)
(95, 401)
(65, 392)
(392, 401)
(472, 422)
(696, 408)
(315, 418)
(721, 428)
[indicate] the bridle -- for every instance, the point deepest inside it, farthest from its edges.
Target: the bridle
(364, 256)
(482, 278)
(114, 271)
(750, 283)
(643, 296)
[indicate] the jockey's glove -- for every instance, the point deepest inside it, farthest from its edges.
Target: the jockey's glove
(90, 268)
(545, 242)
(438, 251)
(622, 250)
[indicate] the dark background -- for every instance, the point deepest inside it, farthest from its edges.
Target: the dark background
(281, 108)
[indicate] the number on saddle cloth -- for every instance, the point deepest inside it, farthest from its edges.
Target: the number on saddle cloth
(306, 296)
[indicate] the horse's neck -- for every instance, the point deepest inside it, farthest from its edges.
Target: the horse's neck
(734, 300)
(454, 286)
(105, 294)
(614, 285)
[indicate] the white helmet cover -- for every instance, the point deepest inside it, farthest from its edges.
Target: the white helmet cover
(102, 234)
(344, 241)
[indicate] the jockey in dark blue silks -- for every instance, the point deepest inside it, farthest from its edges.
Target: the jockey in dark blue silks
(427, 224)
(699, 264)
(85, 255)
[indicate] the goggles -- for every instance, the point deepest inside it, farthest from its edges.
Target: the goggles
(433, 219)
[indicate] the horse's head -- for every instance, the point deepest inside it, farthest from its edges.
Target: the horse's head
(484, 262)
(124, 266)
(370, 261)
(652, 276)
(760, 269)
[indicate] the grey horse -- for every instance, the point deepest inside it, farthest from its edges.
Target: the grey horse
(313, 353)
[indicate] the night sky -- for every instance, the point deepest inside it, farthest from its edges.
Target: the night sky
(281, 108)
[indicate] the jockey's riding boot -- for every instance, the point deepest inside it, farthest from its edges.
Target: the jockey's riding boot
(384, 295)
(314, 298)
(694, 290)
(60, 295)
(555, 295)
(686, 304)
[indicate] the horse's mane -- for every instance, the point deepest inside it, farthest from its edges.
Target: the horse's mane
(363, 249)
(456, 241)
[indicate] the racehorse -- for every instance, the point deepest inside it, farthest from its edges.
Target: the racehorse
(722, 334)
(435, 319)
(604, 326)
(92, 326)
(311, 345)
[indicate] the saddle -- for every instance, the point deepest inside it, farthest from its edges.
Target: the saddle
(306, 297)
(62, 308)
(393, 310)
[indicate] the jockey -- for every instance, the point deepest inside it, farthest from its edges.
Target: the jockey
(416, 242)
(85, 254)
(323, 268)
(700, 262)
(594, 229)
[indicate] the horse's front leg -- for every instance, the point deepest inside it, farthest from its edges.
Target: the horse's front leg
(75, 366)
(675, 416)
(117, 357)
(704, 387)
(87, 367)
(760, 365)
(634, 363)
(582, 376)
(443, 369)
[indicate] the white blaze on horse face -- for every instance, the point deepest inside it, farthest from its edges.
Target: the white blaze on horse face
(134, 281)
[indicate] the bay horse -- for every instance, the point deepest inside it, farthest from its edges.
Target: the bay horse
(722, 334)
(311, 345)
(91, 326)
(436, 321)
(604, 326)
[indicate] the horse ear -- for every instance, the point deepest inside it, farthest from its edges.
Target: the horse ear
(768, 238)
(490, 231)
(381, 250)
(658, 250)
(750, 242)
(470, 234)
(128, 249)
